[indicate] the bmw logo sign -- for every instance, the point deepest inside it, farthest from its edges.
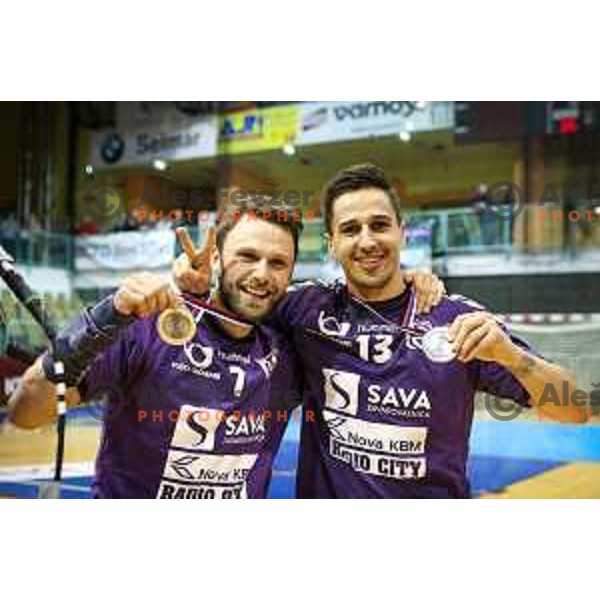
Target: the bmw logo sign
(112, 148)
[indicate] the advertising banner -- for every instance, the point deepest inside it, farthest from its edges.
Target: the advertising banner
(322, 122)
(258, 129)
(169, 141)
(124, 251)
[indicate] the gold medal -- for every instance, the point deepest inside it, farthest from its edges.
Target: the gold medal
(176, 326)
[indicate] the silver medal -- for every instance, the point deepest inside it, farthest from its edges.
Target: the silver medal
(437, 346)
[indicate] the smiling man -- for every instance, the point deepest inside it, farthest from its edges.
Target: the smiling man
(200, 419)
(394, 407)
(365, 234)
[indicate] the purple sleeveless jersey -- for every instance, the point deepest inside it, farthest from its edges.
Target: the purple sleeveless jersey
(390, 422)
(202, 420)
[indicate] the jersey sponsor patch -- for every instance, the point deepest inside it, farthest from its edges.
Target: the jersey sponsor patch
(341, 390)
(200, 356)
(268, 363)
(383, 465)
(198, 360)
(381, 437)
(191, 471)
(405, 403)
(205, 476)
(196, 428)
(377, 448)
(329, 325)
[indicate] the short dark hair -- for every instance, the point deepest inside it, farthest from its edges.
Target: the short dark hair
(285, 217)
(352, 179)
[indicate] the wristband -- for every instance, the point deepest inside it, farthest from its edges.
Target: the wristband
(89, 334)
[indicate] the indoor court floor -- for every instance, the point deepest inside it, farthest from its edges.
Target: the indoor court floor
(517, 459)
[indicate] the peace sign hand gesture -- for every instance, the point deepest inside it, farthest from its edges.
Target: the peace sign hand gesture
(191, 270)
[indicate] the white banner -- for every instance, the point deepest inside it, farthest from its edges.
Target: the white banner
(322, 122)
(126, 251)
(192, 138)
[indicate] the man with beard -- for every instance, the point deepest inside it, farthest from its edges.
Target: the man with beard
(197, 420)
(392, 392)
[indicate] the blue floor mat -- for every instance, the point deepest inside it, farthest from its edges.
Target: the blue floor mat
(287, 457)
(536, 441)
(283, 486)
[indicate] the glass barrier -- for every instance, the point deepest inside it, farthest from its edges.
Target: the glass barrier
(434, 235)
(453, 231)
(464, 231)
(39, 248)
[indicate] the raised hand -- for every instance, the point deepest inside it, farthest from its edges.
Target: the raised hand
(429, 288)
(478, 335)
(191, 270)
(143, 294)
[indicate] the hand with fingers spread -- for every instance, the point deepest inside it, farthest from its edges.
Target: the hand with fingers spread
(144, 294)
(191, 270)
(429, 289)
(479, 336)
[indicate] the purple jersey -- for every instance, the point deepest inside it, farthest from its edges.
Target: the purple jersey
(202, 420)
(389, 421)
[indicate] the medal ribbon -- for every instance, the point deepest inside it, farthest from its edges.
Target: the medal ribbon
(219, 313)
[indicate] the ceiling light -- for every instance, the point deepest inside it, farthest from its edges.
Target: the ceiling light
(289, 149)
